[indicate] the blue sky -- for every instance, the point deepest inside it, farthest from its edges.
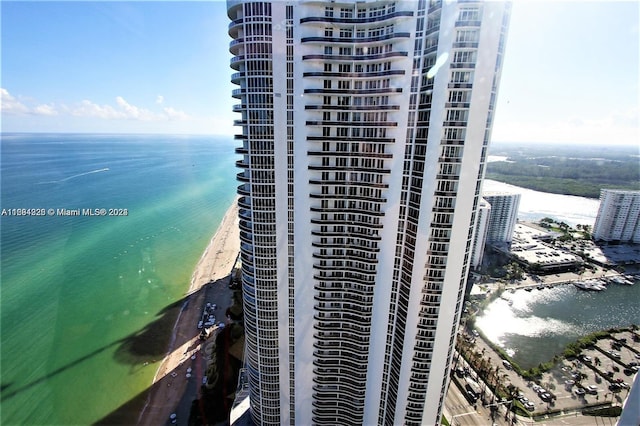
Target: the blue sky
(570, 73)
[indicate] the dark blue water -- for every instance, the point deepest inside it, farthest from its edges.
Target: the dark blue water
(539, 324)
(74, 288)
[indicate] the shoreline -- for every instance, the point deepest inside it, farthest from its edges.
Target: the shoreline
(214, 265)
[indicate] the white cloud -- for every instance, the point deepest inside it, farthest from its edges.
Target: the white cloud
(121, 110)
(173, 114)
(133, 112)
(45, 110)
(11, 105)
(90, 109)
(126, 111)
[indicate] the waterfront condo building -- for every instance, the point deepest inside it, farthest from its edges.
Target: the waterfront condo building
(503, 217)
(364, 127)
(618, 218)
(480, 235)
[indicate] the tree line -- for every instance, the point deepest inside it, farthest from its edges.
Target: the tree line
(581, 174)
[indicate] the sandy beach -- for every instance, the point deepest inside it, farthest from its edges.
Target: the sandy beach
(208, 283)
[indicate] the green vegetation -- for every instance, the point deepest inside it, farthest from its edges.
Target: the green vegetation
(573, 349)
(581, 171)
(614, 411)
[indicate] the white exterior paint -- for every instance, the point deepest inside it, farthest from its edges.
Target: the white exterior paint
(359, 191)
(504, 216)
(618, 216)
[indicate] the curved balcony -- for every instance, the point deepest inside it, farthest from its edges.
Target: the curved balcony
(367, 20)
(347, 197)
(346, 297)
(352, 124)
(370, 280)
(326, 324)
(358, 58)
(241, 164)
(244, 202)
(236, 62)
(349, 139)
(359, 235)
(246, 237)
(345, 210)
(350, 382)
(238, 93)
(234, 27)
(237, 77)
(354, 183)
(348, 169)
(244, 214)
(353, 107)
(344, 222)
(242, 190)
(356, 339)
(242, 150)
(354, 92)
(354, 40)
(245, 226)
(234, 46)
(356, 348)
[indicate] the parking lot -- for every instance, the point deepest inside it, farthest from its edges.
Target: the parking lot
(602, 376)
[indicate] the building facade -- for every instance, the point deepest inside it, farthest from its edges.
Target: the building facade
(503, 217)
(618, 218)
(364, 132)
(480, 235)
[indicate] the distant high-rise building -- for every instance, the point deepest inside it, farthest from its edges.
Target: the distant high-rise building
(480, 234)
(503, 217)
(364, 131)
(618, 216)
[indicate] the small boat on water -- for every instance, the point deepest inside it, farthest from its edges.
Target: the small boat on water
(589, 285)
(619, 279)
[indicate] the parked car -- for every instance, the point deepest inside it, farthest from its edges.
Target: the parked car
(592, 389)
(579, 391)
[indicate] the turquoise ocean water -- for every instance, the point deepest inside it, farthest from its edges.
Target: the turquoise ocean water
(76, 291)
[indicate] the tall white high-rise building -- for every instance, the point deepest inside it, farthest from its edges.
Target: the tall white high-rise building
(480, 235)
(618, 216)
(364, 128)
(503, 217)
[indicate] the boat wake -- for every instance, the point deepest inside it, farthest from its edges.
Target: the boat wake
(106, 169)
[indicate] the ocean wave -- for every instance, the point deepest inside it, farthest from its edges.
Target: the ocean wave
(106, 169)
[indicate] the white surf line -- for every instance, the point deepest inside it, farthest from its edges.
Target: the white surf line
(106, 169)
